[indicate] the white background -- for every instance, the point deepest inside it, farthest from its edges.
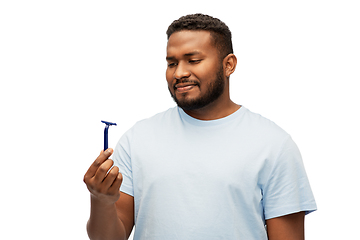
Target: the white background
(66, 65)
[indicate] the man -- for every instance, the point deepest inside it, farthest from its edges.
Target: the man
(206, 169)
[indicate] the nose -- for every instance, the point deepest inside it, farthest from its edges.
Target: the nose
(181, 71)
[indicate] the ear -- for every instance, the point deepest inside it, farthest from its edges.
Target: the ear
(229, 64)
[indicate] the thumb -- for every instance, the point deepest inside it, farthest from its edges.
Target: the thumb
(108, 152)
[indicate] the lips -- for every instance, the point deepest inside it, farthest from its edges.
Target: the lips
(184, 87)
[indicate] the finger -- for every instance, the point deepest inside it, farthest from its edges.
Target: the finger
(101, 172)
(115, 187)
(104, 155)
(110, 177)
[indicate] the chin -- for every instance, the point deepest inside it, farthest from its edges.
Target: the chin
(191, 104)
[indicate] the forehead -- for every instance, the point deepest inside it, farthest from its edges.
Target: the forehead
(187, 41)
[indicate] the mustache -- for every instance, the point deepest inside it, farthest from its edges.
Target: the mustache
(178, 81)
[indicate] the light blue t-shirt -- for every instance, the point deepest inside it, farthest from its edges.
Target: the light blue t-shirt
(218, 179)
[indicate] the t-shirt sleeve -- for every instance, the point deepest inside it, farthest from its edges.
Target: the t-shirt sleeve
(287, 189)
(122, 159)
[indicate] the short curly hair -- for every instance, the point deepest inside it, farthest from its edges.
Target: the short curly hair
(219, 31)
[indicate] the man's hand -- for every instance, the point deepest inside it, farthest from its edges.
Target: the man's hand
(103, 180)
(111, 215)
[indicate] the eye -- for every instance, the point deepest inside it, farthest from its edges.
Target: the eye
(172, 64)
(195, 61)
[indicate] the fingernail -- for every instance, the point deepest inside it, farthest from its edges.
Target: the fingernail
(109, 151)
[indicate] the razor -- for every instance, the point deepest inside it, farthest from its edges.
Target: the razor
(106, 133)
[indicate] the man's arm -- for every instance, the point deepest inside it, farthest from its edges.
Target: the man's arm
(112, 212)
(288, 227)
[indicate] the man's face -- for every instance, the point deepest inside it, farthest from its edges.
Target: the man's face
(194, 74)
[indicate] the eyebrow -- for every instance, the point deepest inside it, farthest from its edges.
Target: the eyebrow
(185, 55)
(192, 53)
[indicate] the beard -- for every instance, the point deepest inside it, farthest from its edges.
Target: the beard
(215, 90)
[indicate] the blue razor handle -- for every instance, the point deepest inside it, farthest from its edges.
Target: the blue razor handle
(106, 133)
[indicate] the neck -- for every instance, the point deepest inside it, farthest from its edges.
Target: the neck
(214, 111)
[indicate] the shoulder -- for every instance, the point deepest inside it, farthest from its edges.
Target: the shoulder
(171, 112)
(146, 129)
(262, 126)
(153, 124)
(157, 120)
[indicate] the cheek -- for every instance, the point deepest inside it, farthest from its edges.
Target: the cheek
(169, 77)
(207, 70)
